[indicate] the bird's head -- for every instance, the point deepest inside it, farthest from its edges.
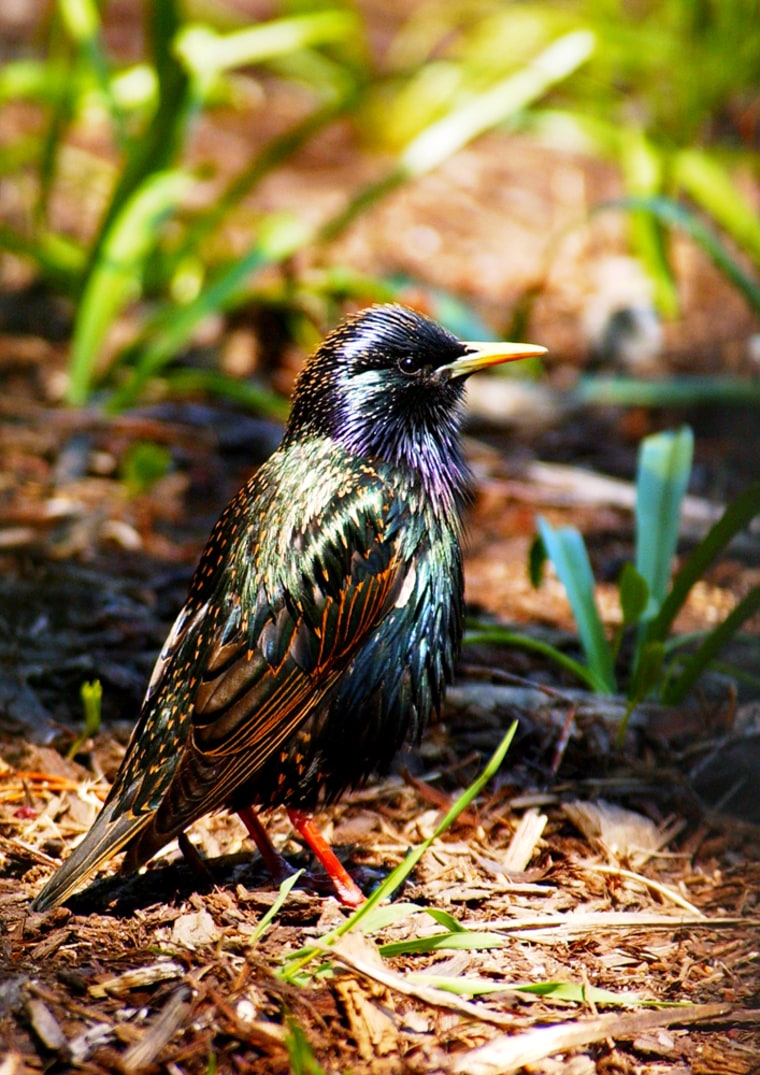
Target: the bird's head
(388, 383)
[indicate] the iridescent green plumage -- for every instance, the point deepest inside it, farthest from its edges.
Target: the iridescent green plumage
(325, 615)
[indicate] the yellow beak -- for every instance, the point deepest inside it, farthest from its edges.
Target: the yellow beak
(481, 355)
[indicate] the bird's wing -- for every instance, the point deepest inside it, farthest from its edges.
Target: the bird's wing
(241, 671)
(272, 659)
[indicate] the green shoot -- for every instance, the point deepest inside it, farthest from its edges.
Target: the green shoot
(662, 476)
(302, 1058)
(143, 464)
(268, 917)
(92, 696)
(567, 551)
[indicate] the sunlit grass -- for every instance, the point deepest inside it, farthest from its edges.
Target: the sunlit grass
(616, 78)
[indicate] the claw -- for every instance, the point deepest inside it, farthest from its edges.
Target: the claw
(346, 889)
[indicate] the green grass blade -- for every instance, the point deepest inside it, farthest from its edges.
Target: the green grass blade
(160, 144)
(58, 259)
(470, 940)
(485, 110)
(634, 595)
(83, 25)
(675, 392)
(91, 695)
(266, 919)
(116, 277)
(642, 164)
(272, 156)
(387, 914)
(462, 985)
(252, 396)
(709, 184)
(664, 466)
(399, 875)
(577, 993)
(567, 551)
(207, 53)
(300, 1052)
(675, 691)
(735, 518)
(501, 636)
(569, 992)
(443, 918)
(31, 80)
(63, 104)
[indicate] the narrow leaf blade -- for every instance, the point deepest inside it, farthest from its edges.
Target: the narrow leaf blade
(663, 474)
(567, 551)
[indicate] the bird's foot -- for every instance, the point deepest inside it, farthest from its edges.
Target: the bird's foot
(346, 889)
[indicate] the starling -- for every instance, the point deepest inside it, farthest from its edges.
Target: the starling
(325, 616)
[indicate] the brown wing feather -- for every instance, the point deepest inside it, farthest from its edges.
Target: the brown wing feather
(244, 714)
(241, 671)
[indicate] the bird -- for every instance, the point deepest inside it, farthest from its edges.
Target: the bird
(325, 615)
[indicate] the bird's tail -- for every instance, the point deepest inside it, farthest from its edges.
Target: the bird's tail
(110, 833)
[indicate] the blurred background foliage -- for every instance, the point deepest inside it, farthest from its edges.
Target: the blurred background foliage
(667, 91)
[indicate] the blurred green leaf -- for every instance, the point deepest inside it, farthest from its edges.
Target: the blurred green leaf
(57, 258)
(676, 215)
(81, 19)
(689, 391)
(143, 464)
(31, 80)
(642, 167)
(270, 157)
(279, 238)
(206, 53)
(706, 181)
(735, 518)
(567, 551)
(116, 278)
(466, 121)
(677, 688)
(91, 695)
(300, 1052)
(493, 106)
(536, 562)
(634, 594)
(662, 476)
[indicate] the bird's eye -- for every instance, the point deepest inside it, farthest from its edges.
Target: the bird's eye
(409, 364)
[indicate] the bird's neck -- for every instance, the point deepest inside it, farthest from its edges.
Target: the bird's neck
(428, 458)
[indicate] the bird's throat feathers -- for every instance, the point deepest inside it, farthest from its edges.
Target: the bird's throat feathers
(424, 443)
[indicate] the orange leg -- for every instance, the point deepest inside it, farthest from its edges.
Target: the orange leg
(346, 888)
